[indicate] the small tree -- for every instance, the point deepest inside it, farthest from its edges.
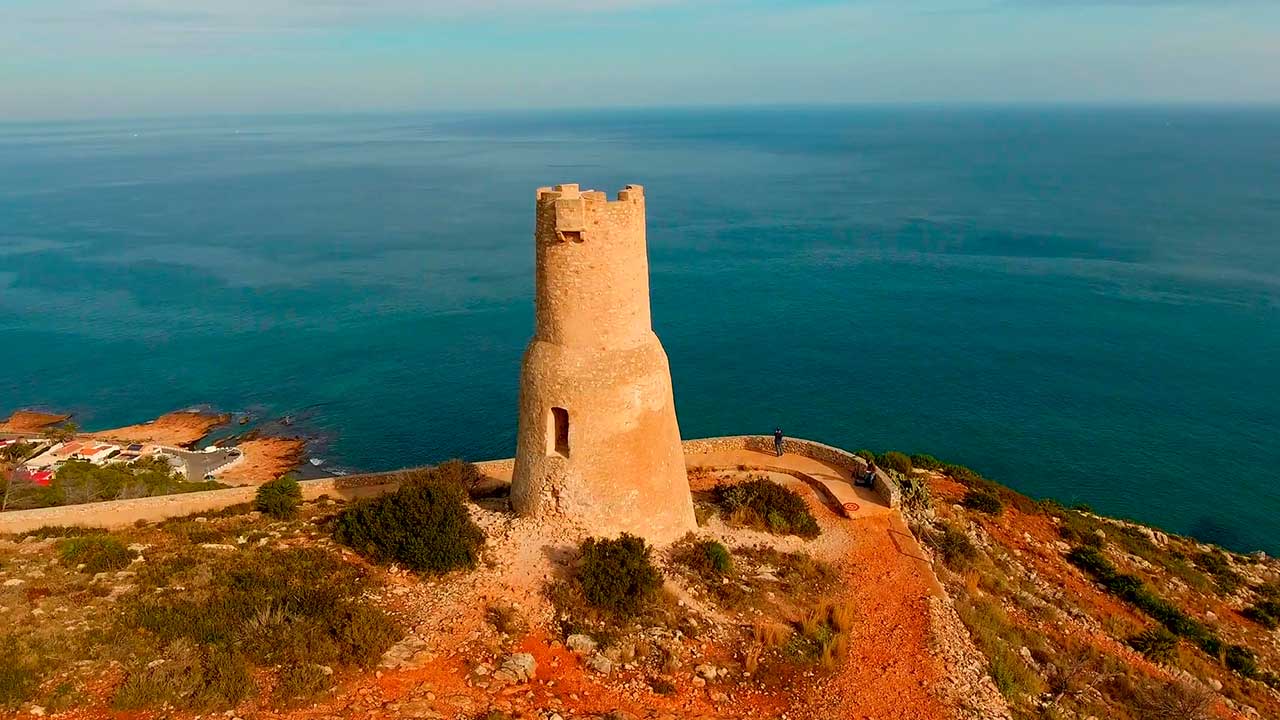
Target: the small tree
(279, 498)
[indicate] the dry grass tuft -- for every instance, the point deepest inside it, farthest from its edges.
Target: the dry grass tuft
(770, 634)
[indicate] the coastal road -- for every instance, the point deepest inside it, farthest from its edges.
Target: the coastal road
(200, 464)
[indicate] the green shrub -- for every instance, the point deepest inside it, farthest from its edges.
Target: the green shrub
(1156, 643)
(279, 498)
(617, 575)
(1264, 612)
(767, 505)
(983, 501)
(865, 455)
(18, 678)
(424, 526)
(964, 476)
(894, 460)
(455, 473)
(1092, 561)
(926, 462)
(1242, 660)
(717, 556)
(98, 553)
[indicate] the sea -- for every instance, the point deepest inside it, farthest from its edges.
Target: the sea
(1080, 302)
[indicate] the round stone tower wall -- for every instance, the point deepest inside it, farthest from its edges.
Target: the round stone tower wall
(598, 441)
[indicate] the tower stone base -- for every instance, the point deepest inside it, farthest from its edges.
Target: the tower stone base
(623, 468)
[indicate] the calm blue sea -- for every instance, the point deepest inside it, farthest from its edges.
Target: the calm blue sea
(1081, 303)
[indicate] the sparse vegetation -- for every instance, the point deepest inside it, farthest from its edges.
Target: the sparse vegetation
(766, 505)
(617, 574)
(279, 498)
(1132, 589)
(983, 501)
(267, 608)
(916, 497)
(1215, 563)
(1264, 612)
(957, 550)
(424, 526)
(18, 678)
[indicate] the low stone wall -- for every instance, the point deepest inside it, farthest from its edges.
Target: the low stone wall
(123, 513)
(885, 487)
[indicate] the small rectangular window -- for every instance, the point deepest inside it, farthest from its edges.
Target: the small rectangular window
(559, 432)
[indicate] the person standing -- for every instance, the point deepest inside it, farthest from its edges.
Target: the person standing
(777, 441)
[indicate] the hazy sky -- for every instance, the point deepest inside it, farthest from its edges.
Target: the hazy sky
(76, 58)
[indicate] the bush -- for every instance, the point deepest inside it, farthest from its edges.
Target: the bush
(894, 460)
(1155, 643)
(716, 557)
(617, 575)
(455, 473)
(767, 505)
(98, 553)
(279, 498)
(865, 455)
(1174, 701)
(1265, 612)
(926, 462)
(983, 501)
(964, 475)
(1242, 660)
(425, 527)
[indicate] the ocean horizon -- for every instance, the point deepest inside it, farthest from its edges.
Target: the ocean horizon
(1081, 302)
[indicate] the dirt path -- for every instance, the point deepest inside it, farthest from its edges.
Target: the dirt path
(890, 671)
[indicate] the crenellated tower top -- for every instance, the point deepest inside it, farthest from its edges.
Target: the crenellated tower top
(592, 267)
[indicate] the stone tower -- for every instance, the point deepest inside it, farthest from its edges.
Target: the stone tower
(598, 441)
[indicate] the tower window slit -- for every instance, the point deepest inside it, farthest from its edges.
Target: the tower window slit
(559, 434)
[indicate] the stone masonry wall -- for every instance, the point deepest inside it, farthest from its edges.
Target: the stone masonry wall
(123, 513)
(885, 486)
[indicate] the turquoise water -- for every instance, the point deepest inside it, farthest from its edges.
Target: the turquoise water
(1080, 303)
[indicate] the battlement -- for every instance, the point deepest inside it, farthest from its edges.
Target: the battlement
(571, 191)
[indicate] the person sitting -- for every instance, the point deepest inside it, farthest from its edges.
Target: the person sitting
(869, 474)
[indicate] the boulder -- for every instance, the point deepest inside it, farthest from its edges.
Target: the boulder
(581, 644)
